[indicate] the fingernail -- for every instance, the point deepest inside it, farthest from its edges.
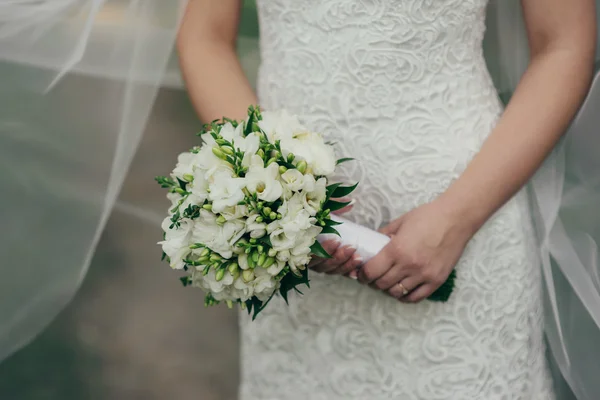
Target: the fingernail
(352, 202)
(353, 277)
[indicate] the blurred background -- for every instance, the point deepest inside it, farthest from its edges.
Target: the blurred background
(132, 331)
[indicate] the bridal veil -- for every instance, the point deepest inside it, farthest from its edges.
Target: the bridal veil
(65, 152)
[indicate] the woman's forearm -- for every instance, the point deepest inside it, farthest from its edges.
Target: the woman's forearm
(539, 112)
(215, 81)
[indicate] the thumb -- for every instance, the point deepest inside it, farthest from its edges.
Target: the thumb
(391, 228)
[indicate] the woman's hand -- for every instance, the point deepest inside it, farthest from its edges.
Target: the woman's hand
(343, 261)
(426, 244)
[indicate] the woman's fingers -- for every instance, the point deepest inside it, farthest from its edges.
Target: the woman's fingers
(351, 265)
(419, 294)
(391, 277)
(330, 246)
(376, 267)
(339, 257)
(403, 288)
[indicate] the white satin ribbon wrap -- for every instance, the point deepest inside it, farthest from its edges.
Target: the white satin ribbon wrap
(367, 242)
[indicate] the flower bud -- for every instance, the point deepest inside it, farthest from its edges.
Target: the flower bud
(217, 152)
(205, 270)
(233, 267)
(247, 275)
(215, 257)
(196, 246)
(279, 216)
(188, 177)
(202, 260)
(259, 219)
(229, 304)
(221, 142)
(261, 248)
(260, 205)
(282, 169)
(267, 211)
(290, 157)
(251, 262)
(207, 207)
(243, 305)
(271, 161)
(221, 220)
(255, 256)
(227, 150)
(272, 252)
(204, 253)
(268, 262)
(261, 259)
(260, 153)
(273, 215)
(248, 250)
(179, 190)
(220, 274)
(301, 166)
(253, 241)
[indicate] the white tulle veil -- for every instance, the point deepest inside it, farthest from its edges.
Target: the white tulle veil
(78, 80)
(64, 154)
(565, 198)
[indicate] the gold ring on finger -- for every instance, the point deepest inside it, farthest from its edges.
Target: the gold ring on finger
(404, 290)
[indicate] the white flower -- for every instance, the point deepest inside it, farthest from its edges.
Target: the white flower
(186, 162)
(295, 221)
(314, 194)
(276, 268)
(310, 147)
(249, 145)
(293, 180)
(220, 239)
(225, 190)
(210, 282)
(264, 284)
(177, 241)
(256, 229)
(199, 186)
(278, 125)
(263, 181)
(229, 133)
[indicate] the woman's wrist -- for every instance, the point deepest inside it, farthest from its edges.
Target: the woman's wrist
(465, 215)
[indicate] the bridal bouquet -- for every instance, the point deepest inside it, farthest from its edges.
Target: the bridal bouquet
(247, 207)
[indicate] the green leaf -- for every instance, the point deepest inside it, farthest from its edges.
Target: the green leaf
(342, 191)
(185, 280)
(331, 222)
(442, 294)
(343, 160)
(332, 188)
(335, 205)
(181, 184)
(164, 255)
(318, 250)
(329, 230)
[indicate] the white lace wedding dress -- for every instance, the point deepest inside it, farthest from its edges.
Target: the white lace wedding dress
(402, 86)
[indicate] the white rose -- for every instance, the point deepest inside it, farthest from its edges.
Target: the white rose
(293, 180)
(176, 244)
(225, 190)
(263, 181)
(314, 194)
(310, 147)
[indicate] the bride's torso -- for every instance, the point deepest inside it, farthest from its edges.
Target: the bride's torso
(401, 85)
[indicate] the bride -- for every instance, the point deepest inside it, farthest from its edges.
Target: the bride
(403, 87)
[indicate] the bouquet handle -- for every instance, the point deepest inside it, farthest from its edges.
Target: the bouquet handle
(367, 242)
